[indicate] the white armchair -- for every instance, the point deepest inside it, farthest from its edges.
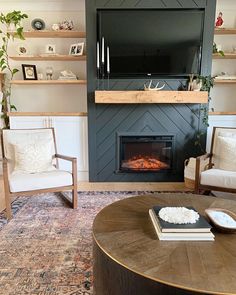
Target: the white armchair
(221, 172)
(30, 165)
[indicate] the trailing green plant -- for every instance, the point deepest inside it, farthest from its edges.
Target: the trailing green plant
(207, 83)
(216, 50)
(11, 20)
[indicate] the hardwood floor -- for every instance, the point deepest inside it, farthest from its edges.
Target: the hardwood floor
(115, 186)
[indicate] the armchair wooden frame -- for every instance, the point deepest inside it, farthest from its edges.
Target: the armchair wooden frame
(9, 194)
(200, 187)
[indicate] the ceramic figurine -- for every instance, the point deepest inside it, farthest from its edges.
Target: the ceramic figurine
(56, 27)
(67, 25)
(219, 21)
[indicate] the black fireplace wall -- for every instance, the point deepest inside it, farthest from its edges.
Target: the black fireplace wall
(106, 120)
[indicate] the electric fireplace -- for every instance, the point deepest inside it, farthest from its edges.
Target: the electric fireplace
(145, 153)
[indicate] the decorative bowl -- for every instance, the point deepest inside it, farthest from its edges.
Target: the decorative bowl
(217, 224)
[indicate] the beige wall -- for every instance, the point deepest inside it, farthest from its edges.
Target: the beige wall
(49, 98)
(223, 96)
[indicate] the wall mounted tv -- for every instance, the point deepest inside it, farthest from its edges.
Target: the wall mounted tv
(143, 43)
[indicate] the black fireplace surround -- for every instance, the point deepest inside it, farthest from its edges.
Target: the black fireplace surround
(120, 133)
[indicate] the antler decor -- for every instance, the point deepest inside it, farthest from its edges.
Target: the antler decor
(156, 88)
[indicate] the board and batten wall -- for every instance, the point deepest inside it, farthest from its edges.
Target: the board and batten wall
(50, 98)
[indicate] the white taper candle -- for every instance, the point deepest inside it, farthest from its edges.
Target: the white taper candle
(98, 56)
(108, 60)
(103, 49)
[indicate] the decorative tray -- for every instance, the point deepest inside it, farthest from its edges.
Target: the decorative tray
(222, 219)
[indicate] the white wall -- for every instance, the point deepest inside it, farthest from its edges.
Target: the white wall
(49, 98)
(223, 96)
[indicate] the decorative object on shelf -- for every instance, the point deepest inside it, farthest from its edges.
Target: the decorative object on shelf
(194, 84)
(49, 73)
(108, 67)
(40, 76)
(29, 72)
(67, 75)
(77, 49)
(148, 87)
(50, 49)
(222, 219)
(22, 49)
(66, 25)
(219, 20)
(14, 19)
(218, 49)
(56, 27)
(38, 24)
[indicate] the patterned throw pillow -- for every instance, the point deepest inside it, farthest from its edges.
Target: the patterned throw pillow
(227, 156)
(34, 157)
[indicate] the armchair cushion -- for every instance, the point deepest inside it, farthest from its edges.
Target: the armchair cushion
(219, 178)
(227, 156)
(20, 182)
(34, 157)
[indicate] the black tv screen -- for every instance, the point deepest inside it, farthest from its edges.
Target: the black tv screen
(152, 42)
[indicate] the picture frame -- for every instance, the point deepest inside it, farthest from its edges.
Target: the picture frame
(77, 49)
(29, 72)
(50, 49)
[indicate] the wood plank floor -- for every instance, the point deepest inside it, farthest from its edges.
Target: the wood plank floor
(116, 186)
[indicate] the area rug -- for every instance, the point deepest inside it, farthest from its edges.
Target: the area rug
(46, 249)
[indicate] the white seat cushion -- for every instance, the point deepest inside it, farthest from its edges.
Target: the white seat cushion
(220, 178)
(22, 182)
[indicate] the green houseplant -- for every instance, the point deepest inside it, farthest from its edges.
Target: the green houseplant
(8, 21)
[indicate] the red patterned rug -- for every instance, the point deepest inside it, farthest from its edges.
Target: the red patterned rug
(46, 249)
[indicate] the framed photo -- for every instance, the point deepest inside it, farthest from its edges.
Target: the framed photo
(50, 49)
(29, 72)
(77, 49)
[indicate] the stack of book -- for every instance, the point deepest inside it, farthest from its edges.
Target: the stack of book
(199, 231)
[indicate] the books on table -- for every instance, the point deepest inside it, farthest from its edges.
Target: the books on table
(199, 231)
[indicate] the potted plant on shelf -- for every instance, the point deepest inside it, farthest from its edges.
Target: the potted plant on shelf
(9, 21)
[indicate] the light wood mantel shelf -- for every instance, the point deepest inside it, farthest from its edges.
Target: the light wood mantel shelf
(225, 81)
(151, 97)
(50, 57)
(49, 82)
(51, 114)
(53, 34)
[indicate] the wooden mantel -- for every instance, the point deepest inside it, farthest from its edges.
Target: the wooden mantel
(151, 97)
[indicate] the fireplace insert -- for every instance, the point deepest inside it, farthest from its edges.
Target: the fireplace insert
(145, 153)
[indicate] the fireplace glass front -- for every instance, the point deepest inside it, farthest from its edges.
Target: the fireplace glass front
(145, 153)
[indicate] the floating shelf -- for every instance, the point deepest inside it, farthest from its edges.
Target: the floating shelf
(53, 34)
(222, 113)
(227, 56)
(50, 57)
(224, 81)
(151, 97)
(49, 82)
(226, 31)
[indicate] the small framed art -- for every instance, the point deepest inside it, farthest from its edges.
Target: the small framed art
(77, 49)
(29, 72)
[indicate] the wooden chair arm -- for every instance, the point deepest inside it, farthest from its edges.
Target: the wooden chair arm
(198, 170)
(66, 158)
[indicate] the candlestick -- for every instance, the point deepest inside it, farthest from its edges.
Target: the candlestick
(98, 56)
(103, 48)
(108, 60)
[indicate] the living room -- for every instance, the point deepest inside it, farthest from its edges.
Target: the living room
(110, 108)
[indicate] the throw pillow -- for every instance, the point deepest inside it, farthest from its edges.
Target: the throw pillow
(227, 156)
(33, 157)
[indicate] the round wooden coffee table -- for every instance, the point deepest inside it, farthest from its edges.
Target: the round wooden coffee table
(130, 260)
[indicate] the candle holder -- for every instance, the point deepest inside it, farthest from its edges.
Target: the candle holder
(108, 80)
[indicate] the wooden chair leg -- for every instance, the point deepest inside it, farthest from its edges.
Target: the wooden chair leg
(75, 198)
(8, 206)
